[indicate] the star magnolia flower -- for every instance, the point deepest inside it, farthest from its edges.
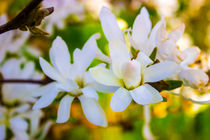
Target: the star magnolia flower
(15, 120)
(62, 9)
(10, 41)
(168, 50)
(132, 76)
(74, 79)
(13, 92)
(140, 32)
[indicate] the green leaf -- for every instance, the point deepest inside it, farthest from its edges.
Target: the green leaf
(165, 99)
(173, 84)
(153, 54)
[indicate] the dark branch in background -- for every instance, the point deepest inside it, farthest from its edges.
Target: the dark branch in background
(26, 81)
(30, 17)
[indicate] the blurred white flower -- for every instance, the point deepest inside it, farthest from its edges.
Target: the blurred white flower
(12, 92)
(11, 41)
(62, 9)
(74, 79)
(15, 120)
(130, 75)
(168, 50)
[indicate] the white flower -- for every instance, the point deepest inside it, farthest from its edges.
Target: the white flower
(12, 92)
(10, 119)
(168, 50)
(15, 120)
(10, 41)
(62, 9)
(132, 76)
(143, 38)
(191, 76)
(74, 79)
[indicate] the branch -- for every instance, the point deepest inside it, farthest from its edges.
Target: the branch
(24, 81)
(28, 18)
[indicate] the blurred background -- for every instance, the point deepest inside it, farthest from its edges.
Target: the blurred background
(75, 23)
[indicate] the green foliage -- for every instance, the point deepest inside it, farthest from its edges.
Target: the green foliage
(173, 84)
(153, 54)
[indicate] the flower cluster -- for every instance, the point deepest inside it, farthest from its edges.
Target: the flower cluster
(149, 57)
(142, 62)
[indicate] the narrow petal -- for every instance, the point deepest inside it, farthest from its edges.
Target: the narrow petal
(190, 55)
(64, 109)
(83, 58)
(28, 70)
(120, 100)
(141, 27)
(93, 111)
(177, 33)
(132, 74)
(156, 94)
(60, 57)
(89, 92)
(119, 56)
(141, 95)
(158, 34)
(103, 88)
(160, 71)
(110, 26)
(49, 70)
(104, 76)
(44, 89)
(46, 99)
(18, 123)
(3, 132)
(194, 77)
(67, 85)
(144, 60)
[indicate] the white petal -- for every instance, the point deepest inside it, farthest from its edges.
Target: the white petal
(143, 59)
(49, 70)
(28, 70)
(141, 27)
(110, 27)
(160, 71)
(20, 135)
(18, 123)
(11, 69)
(104, 76)
(46, 99)
(44, 89)
(132, 74)
(93, 111)
(103, 88)
(158, 34)
(67, 85)
(60, 58)
(194, 77)
(146, 94)
(89, 92)
(64, 109)
(119, 56)
(190, 55)
(83, 58)
(3, 132)
(156, 94)
(177, 33)
(120, 100)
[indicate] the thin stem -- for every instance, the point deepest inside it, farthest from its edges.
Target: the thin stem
(146, 129)
(192, 100)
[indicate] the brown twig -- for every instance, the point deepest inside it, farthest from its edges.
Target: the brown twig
(25, 81)
(28, 18)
